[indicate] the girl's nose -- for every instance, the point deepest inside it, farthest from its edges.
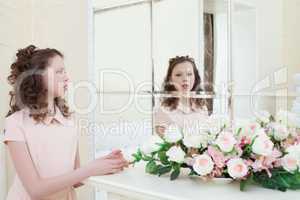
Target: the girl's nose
(66, 78)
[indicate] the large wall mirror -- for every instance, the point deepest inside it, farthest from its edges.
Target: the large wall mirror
(135, 44)
(243, 51)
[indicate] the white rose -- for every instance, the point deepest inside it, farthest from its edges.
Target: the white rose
(189, 161)
(206, 139)
(294, 131)
(176, 154)
(203, 164)
(152, 145)
(237, 168)
(191, 135)
(295, 150)
(226, 141)
(173, 134)
(192, 141)
(247, 128)
(280, 131)
(262, 145)
(287, 118)
(264, 116)
(290, 162)
(260, 132)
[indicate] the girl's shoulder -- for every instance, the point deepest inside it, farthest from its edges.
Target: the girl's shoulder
(17, 117)
(13, 127)
(200, 109)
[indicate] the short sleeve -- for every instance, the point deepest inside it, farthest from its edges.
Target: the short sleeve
(12, 130)
(161, 118)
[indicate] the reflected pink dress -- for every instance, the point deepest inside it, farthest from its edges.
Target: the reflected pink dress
(183, 116)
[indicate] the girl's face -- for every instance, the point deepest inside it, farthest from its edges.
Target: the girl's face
(55, 78)
(183, 77)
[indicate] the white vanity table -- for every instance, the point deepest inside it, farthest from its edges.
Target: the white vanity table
(135, 184)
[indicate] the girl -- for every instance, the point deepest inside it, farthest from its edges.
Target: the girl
(182, 80)
(40, 134)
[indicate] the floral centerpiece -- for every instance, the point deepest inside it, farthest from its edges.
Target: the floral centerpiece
(265, 151)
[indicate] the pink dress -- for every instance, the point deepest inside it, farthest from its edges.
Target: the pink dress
(183, 116)
(52, 145)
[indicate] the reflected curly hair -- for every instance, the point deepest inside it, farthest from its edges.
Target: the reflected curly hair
(27, 82)
(172, 102)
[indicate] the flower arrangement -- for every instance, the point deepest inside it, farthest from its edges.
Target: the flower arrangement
(264, 151)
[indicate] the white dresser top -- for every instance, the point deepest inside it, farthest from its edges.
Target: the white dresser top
(136, 184)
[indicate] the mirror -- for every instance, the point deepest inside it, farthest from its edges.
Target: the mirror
(264, 48)
(199, 29)
(133, 44)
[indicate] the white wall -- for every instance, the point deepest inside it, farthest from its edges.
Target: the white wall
(257, 51)
(277, 47)
(291, 42)
(15, 32)
(269, 23)
(244, 60)
(270, 46)
(221, 61)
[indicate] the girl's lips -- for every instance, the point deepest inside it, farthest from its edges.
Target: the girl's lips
(185, 86)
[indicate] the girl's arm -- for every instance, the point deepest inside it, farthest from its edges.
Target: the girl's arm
(38, 187)
(161, 121)
(77, 166)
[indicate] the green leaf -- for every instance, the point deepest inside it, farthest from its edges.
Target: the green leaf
(137, 156)
(163, 157)
(193, 173)
(272, 118)
(164, 170)
(280, 180)
(139, 152)
(246, 182)
(147, 158)
(165, 146)
(175, 174)
(239, 131)
(247, 151)
(151, 167)
(243, 184)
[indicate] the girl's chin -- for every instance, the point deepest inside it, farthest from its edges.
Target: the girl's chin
(60, 95)
(186, 90)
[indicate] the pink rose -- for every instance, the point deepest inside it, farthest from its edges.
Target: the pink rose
(217, 156)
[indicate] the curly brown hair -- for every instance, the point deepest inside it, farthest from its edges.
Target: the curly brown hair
(172, 102)
(27, 82)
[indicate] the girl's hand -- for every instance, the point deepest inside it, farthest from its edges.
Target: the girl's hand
(110, 164)
(160, 130)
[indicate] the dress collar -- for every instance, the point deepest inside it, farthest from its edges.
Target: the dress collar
(184, 108)
(58, 116)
